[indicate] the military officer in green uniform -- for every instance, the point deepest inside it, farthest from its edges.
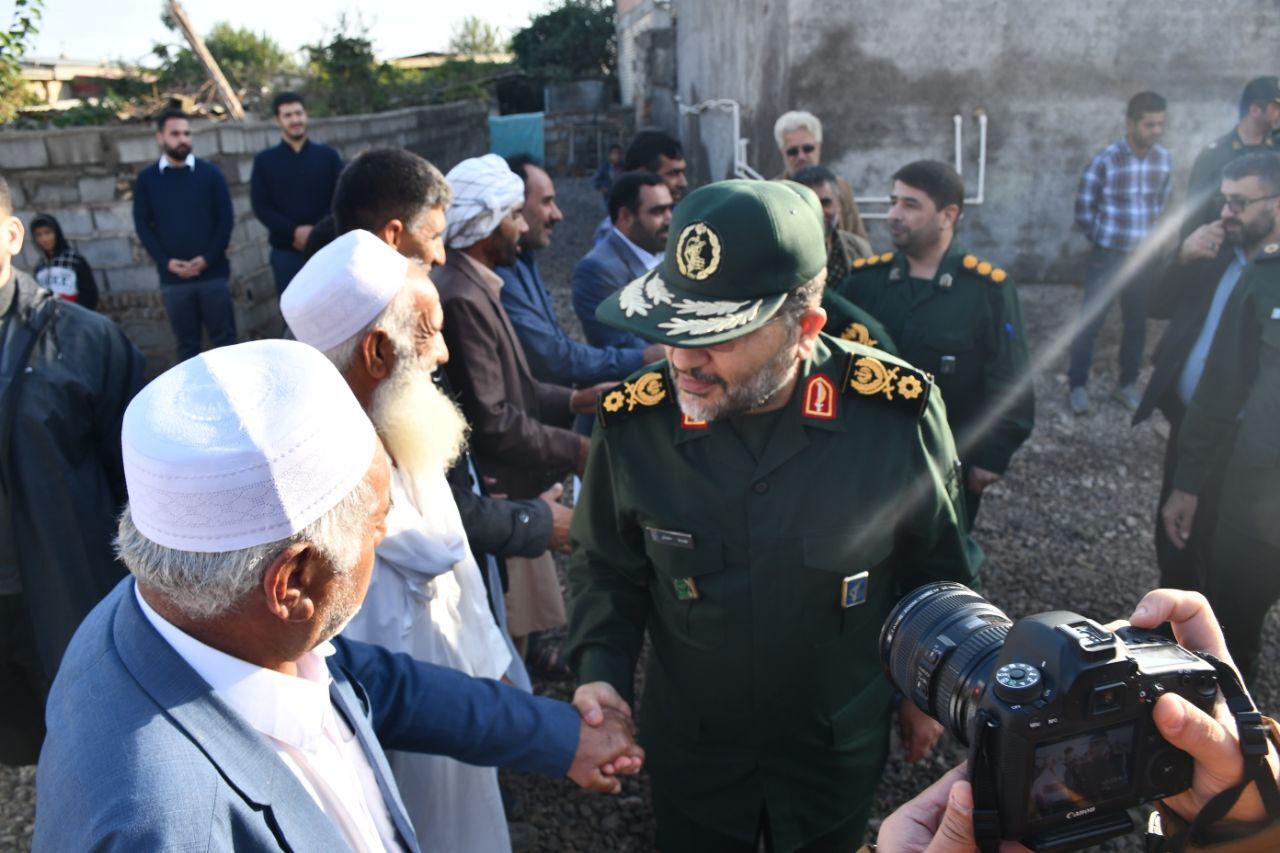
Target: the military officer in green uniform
(1239, 393)
(1259, 120)
(954, 315)
(758, 502)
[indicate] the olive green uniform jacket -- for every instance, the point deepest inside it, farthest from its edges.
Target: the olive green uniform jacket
(966, 330)
(1206, 176)
(1241, 383)
(762, 691)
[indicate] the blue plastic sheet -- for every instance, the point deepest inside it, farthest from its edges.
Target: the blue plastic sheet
(521, 133)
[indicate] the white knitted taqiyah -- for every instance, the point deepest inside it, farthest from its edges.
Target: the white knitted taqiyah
(241, 446)
(344, 286)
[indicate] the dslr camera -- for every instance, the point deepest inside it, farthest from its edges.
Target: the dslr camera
(1055, 710)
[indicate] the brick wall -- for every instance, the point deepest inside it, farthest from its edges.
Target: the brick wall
(84, 177)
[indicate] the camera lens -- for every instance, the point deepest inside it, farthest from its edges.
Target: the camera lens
(938, 646)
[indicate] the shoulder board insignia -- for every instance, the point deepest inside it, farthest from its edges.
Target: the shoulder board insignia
(986, 269)
(645, 391)
(859, 334)
(900, 384)
(886, 257)
(998, 275)
(859, 263)
(969, 261)
(1269, 253)
(1271, 248)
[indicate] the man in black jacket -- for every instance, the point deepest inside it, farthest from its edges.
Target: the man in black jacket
(1192, 295)
(66, 375)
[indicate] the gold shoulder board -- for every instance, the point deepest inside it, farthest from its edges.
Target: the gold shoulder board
(645, 391)
(899, 384)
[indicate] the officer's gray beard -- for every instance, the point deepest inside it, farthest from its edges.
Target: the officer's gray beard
(751, 394)
(422, 428)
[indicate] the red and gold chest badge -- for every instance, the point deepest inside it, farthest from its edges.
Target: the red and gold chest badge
(819, 398)
(687, 422)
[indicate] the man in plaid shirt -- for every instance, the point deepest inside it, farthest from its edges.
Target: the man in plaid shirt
(1122, 193)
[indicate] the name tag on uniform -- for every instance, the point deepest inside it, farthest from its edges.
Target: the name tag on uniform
(854, 590)
(686, 589)
(673, 538)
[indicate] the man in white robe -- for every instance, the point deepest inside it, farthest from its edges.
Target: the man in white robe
(377, 317)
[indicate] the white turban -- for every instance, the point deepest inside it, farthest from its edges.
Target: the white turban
(485, 190)
(343, 287)
(242, 446)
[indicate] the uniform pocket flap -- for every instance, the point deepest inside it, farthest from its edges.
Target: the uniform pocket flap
(704, 557)
(848, 552)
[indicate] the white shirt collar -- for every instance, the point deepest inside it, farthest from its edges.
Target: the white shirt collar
(190, 163)
(649, 259)
(287, 708)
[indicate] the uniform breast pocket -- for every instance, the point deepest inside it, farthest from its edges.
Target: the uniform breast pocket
(845, 580)
(690, 586)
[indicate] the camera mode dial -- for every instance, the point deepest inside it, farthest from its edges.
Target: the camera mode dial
(1018, 683)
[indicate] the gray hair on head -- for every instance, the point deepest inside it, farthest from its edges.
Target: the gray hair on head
(797, 120)
(202, 585)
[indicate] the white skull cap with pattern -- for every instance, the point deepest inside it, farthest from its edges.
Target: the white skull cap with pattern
(241, 446)
(344, 286)
(484, 192)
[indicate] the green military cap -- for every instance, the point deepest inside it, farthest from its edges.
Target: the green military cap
(737, 248)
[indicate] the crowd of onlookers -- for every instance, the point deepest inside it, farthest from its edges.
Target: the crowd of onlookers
(422, 293)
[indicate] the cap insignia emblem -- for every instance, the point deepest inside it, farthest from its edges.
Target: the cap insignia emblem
(698, 251)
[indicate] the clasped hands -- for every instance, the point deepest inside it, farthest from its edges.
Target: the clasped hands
(607, 745)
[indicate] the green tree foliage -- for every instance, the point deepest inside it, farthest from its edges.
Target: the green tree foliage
(252, 62)
(344, 76)
(14, 42)
(474, 37)
(578, 38)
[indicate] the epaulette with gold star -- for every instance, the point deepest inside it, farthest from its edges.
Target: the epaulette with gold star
(1270, 252)
(986, 269)
(900, 384)
(870, 261)
(645, 391)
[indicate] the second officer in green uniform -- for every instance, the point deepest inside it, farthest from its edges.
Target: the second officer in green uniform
(757, 503)
(954, 315)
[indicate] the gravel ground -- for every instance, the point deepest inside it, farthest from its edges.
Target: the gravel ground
(1069, 528)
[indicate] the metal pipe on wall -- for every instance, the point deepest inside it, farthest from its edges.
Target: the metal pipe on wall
(958, 122)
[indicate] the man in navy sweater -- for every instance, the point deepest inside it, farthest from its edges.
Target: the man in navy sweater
(292, 187)
(182, 212)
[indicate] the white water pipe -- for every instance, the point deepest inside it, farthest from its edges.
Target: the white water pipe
(958, 122)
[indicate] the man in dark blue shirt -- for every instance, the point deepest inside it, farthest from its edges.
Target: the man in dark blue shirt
(182, 213)
(553, 356)
(292, 187)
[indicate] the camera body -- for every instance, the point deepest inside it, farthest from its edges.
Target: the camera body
(1062, 706)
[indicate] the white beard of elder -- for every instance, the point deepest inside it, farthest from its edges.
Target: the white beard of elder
(423, 429)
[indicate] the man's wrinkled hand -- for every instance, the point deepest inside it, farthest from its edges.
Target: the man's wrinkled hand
(1178, 514)
(561, 518)
(1203, 243)
(605, 751)
(919, 731)
(583, 401)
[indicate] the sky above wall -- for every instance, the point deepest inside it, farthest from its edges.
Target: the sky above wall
(126, 29)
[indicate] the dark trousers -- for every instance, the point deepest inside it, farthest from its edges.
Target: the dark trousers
(1103, 266)
(1185, 568)
(194, 306)
(676, 833)
(1243, 585)
(23, 686)
(285, 264)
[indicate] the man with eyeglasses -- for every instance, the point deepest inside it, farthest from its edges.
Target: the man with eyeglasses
(799, 137)
(1122, 194)
(1218, 382)
(756, 503)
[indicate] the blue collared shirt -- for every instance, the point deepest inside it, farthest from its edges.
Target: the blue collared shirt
(554, 356)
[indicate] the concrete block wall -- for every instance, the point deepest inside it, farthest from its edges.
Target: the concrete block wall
(84, 177)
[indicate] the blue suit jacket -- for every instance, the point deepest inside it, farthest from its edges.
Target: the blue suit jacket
(611, 264)
(142, 755)
(553, 356)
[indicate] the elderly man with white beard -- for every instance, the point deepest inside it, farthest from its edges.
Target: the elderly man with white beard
(377, 317)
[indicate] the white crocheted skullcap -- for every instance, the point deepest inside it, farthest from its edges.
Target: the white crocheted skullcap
(241, 446)
(344, 286)
(484, 191)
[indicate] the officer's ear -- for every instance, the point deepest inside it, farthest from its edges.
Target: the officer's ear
(950, 215)
(811, 323)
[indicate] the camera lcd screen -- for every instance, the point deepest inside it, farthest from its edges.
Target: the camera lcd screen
(1082, 770)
